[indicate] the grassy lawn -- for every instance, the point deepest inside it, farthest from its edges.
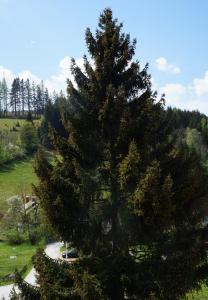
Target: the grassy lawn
(21, 257)
(14, 178)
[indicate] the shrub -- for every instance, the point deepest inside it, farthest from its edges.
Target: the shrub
(29, 138)
(15, 238)
(13, 128)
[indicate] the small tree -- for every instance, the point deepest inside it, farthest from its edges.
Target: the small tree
(29, 138)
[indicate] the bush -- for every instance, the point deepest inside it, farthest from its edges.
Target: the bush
(13, 128)
(29, 138)
(15, 238)
(34, 237)
(10, 147)
(37, 235)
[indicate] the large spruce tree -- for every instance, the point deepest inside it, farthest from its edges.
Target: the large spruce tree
(120, 191)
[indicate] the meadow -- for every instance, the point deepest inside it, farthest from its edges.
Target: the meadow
(13, 258)
(15, 178)
(9, 124)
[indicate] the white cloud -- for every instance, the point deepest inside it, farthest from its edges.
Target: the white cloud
(154, 83)
(10, 75)
(200, 86)
(32, 43)
(58, 81)
(163, 65)
(174, 92)
(193, 96)
(27, 74)
(7, 74)
(54, 82)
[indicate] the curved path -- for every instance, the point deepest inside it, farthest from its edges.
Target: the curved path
(52, 250)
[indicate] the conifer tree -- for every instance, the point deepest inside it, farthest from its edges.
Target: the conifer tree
(14, 96)
(34, 98)
(5, 95)
(120, 192)
(28, 93)
(22, 96)
(1, 98)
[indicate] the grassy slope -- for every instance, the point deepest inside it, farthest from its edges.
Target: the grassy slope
(23, 255)
(14, 178)
(10, 123)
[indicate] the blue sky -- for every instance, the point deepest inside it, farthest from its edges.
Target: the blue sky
(39, 37)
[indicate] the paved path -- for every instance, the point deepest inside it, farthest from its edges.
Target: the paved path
(52, 250)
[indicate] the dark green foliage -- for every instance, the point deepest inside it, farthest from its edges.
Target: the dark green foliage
(56, 279)
(29, 138)
(177, 119)
(15, 238)
(29, 117)
(27, 291)
(51, 119)
(120, 192)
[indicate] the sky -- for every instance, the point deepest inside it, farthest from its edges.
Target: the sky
(39, 37)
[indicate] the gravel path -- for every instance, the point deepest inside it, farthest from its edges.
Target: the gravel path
(52, 250)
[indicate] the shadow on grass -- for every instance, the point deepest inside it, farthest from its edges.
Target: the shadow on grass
(10, 166)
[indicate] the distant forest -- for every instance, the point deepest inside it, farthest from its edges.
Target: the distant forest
(23, 97)
(177, 119)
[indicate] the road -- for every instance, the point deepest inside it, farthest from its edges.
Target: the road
(52, 250)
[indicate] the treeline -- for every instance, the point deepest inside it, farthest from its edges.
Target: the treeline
(188, 127)
(181, 119)
(22, 97)
(175, 120)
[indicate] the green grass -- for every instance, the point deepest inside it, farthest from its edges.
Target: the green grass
(22, 254)
(16, 177)
(8, 123)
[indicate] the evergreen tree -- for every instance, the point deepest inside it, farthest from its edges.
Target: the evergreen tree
(18, 95)
(22, 96)
(39, 98)
(120, 192)
(28, 95)
(4, 89)
(34, 99)
(29, 138)
(14, 96)
(51, 119)
(46, 97)
(1, 98)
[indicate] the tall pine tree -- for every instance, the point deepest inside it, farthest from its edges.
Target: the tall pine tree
(28, 97)
(5, 95)
(120, 192)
